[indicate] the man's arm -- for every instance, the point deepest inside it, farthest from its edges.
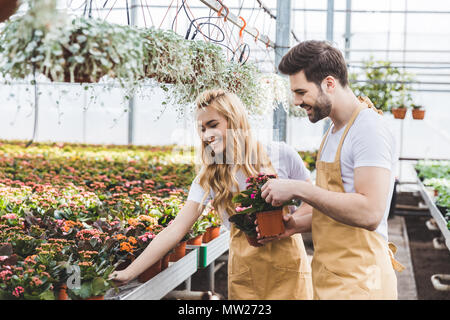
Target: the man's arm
(364, 208)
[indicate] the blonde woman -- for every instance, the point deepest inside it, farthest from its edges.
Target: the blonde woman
(229, 154)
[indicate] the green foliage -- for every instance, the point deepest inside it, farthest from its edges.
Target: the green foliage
(386, 86)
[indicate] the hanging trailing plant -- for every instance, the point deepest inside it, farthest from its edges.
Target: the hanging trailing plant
(85, 50)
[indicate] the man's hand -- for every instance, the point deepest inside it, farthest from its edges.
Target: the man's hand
(278, 191)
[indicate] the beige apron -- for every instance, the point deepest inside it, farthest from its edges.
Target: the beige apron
(348, 262)
(279, 270)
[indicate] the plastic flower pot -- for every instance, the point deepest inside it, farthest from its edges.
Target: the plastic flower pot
(399, 113)
(253, 241)
(62, 293)
(9, 7)
(165, 261)
(210, 234)
(418, 114)
(150, 272)
(196, 241)
(215, 232)
(270, 223)
(179, 252)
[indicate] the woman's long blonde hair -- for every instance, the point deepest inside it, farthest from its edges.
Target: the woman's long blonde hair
(247, 154)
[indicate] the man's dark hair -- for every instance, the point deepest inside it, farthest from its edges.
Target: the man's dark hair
(318, 59)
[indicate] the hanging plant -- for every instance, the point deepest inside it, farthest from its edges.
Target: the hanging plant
(386, 86)
(24, 39)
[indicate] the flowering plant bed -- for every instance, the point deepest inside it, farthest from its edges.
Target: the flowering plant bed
(68, 207)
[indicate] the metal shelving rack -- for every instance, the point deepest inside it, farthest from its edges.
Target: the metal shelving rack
(435, 213)
(161, 284)
(442, 225)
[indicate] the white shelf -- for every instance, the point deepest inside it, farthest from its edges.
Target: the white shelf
(161, 284)
(436, 214)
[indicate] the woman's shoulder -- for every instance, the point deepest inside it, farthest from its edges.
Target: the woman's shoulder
(281, 149)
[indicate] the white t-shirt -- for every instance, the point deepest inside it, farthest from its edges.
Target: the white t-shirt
(285, 160)
(369, 143)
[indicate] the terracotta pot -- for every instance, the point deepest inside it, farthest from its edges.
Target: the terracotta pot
(95, 298)
(253, 241)
(215, 232)
(165, 261)
(8, 8)
(150, 272)
(62, 293)
(270, 223)
(207, 236)
(418, 114)
(399, 113)
(179, 252)
(196, 241)
(210, 234)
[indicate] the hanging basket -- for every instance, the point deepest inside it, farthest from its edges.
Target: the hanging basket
(418, 114)
(399, 113)
(8, 8)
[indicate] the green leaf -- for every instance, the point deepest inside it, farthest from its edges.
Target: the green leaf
(98, 286)
(47, 295)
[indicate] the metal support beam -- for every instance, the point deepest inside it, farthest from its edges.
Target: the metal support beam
(131, 103)
(283, 43)
(216, 6)
(330, 31)
(348, 29)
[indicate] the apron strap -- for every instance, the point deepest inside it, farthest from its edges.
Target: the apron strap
(395, 264)
(323, 142)
(349, 124)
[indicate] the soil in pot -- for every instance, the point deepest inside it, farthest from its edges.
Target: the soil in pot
(95, 298)
(270, 223)
(8, 8)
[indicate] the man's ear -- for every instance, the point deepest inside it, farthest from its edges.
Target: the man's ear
(328, 84)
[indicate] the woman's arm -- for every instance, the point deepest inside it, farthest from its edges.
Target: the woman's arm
(162, 243)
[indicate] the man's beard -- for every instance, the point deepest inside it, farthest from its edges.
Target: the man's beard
(321, 108)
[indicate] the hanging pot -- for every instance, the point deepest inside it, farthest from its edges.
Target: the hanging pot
(418, 114)
(399, 113)
(8, 8)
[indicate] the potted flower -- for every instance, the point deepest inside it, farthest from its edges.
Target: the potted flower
(252, 207)
(197, 232)
(418, 111)
(213, 231)
(95, 268)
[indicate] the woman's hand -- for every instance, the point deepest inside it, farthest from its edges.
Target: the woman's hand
(121, 277)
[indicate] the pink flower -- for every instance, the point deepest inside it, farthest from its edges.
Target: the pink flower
(239, 209)
(252, 196)
(18, 291)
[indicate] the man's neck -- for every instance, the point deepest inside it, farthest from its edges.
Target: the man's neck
(343, 107)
